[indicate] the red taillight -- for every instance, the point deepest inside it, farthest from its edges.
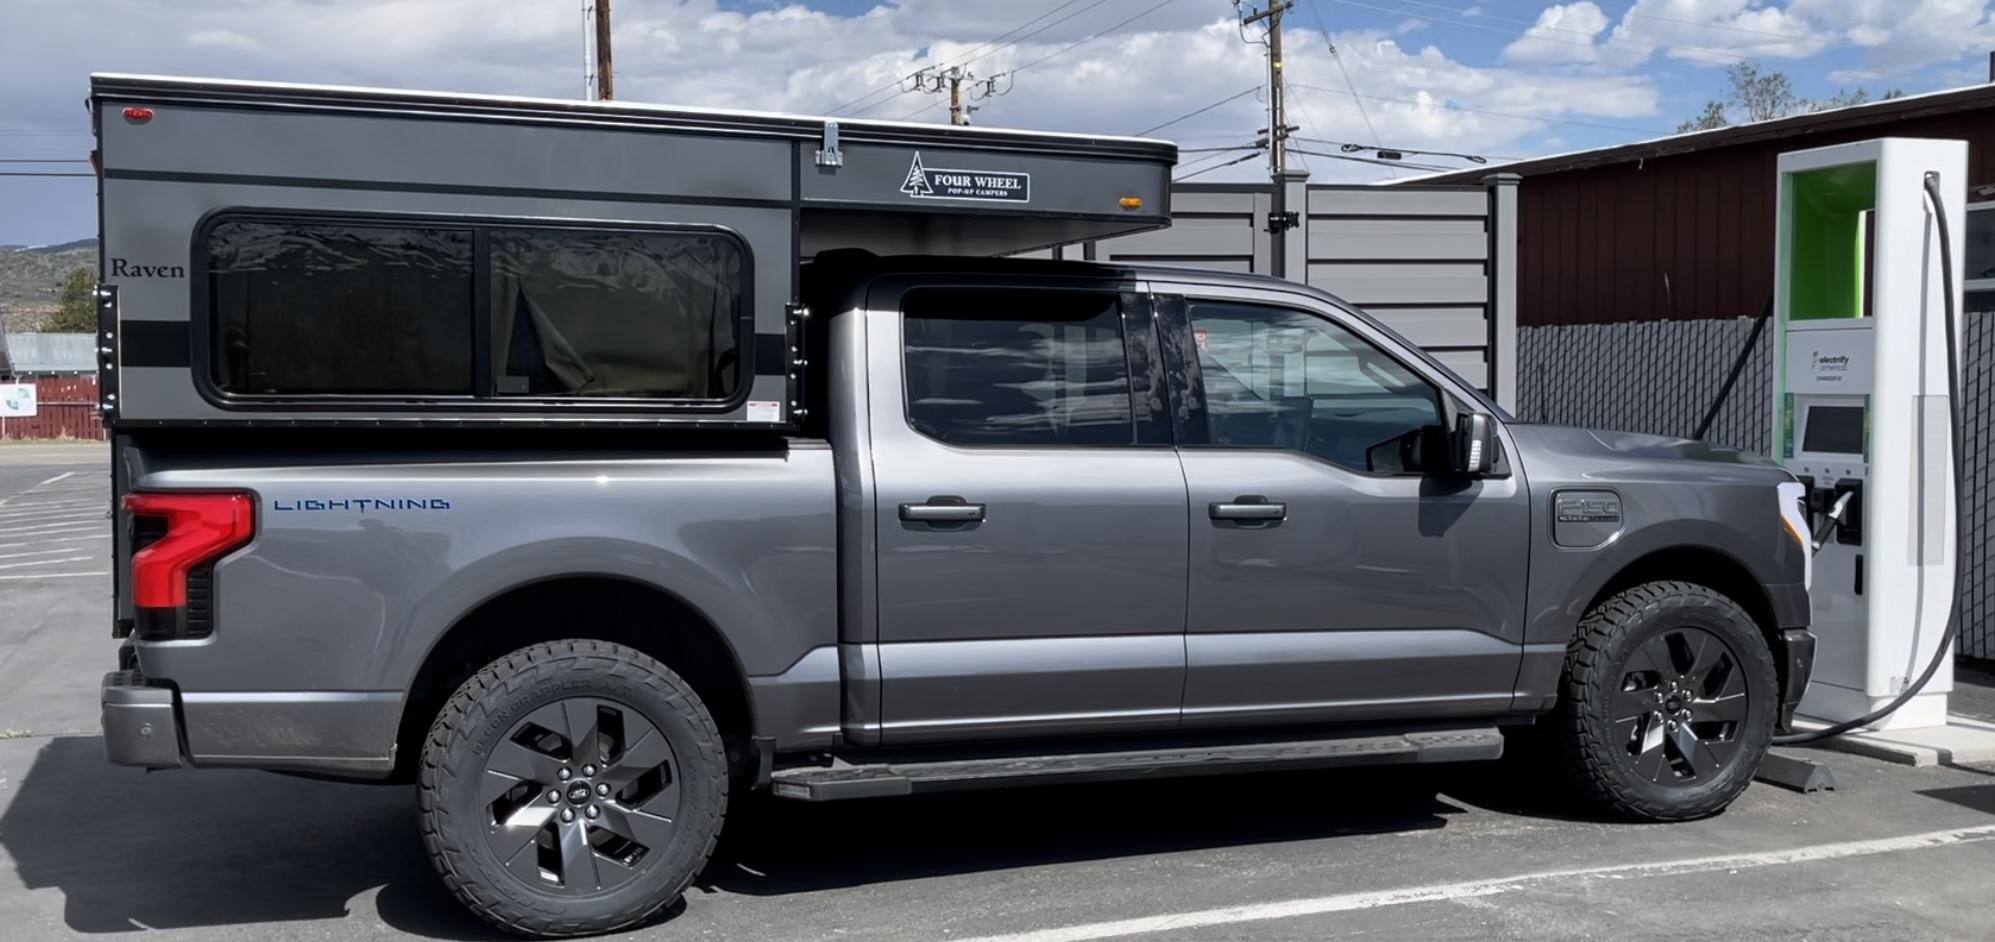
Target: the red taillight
(138, 115)
(199, 528)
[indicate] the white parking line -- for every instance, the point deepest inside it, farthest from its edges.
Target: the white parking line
(56, 539)
(46, 552)
(58, 477)
(45, 529)
(1441, 892)
(51, 516)
(47, 562)
(11, 577)
(54, 504)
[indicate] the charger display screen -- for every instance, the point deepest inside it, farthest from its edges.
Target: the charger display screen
(1833, 430)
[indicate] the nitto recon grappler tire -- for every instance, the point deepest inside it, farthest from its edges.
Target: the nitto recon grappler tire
(572, 788)
(1667, 704)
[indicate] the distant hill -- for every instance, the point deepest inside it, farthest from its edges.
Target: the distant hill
(31, 279)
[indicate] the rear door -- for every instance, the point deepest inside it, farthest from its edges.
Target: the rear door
(1030, 511)
(1333, 576)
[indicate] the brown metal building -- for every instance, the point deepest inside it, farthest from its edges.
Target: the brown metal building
(1683, 227)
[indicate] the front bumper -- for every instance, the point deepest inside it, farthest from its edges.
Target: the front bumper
(1796, 660)
(141, 725)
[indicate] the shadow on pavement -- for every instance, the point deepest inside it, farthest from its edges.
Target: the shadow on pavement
(773, 847)
(196, 849)
(171, 850)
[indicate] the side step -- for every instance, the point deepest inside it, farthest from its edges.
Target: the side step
(846, 780)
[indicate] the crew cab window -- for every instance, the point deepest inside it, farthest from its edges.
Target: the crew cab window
(1280, 378)
(309, 307)
(1022, 368)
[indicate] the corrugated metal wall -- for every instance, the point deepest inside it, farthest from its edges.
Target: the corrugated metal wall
(66, 407)
(1680, 236)
(1421, 259)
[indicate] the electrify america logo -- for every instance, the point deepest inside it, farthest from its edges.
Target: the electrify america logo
(1829, 369)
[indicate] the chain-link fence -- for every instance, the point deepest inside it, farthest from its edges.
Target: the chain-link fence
(1660, 377)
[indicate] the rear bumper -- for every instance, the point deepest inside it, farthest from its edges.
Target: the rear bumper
(336, 734)
(141, 724)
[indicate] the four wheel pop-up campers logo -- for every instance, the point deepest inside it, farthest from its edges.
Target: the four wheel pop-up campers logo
(994, 186)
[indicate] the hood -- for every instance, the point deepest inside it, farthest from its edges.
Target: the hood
(1634, 446)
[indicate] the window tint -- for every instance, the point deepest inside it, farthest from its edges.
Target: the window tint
(1980, 250)
(320, 308)
(1017, 368)
(615, 314)
(313, 308)
(1278, 378)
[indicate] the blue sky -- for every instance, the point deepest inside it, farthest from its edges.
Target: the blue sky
(1497, 78)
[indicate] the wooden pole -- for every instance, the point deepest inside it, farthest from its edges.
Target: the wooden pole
(605, 82)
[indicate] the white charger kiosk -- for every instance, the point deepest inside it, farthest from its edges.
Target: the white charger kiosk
(1860, 413)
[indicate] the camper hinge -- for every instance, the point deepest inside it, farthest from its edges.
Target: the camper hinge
(793, 369)
(829, 155)
(1282, 222)
(107, 351)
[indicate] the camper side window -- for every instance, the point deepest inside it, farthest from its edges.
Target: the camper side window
(340, 309)
(614, 314)
(312, 308)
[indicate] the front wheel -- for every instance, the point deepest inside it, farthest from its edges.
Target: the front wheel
(1668, 703)
(572, 788)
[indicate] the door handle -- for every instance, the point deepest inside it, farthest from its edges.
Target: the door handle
(943, 510)
(1249, 508)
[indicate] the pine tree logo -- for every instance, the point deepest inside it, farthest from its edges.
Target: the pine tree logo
(916, 184)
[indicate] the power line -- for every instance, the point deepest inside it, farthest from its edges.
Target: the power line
(1368, 160)
(989, 47)
(1193, 114)
(1588, 42)
(1069, 48)
(41, 173)
(1321, 27)
(1347, 147)
(1241, 159)
(1216, 150)
(1499, 114)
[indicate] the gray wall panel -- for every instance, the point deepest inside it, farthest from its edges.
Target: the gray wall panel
(1332, 239)
(1438, 326)
(1424, 284)
(1395, 201)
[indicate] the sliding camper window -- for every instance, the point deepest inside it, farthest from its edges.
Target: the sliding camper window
(390, 309)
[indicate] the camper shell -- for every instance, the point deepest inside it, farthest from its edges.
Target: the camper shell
(216, 192)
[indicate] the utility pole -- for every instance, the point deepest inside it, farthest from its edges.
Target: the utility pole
(605, 78)
(955, 79)
(1278, 128)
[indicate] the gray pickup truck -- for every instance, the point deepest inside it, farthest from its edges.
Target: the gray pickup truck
(438, 466)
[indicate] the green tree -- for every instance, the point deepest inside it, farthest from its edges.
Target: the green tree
(77, 311)
(1755, 95)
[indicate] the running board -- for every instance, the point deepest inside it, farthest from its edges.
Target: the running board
(846, 780)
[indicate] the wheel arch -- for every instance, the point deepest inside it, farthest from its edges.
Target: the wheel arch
(1702, 565)
(640, 614)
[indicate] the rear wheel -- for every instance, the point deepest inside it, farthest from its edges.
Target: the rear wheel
(572, 788)
(1668, 703)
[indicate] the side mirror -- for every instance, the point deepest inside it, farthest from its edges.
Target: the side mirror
(1473, 451)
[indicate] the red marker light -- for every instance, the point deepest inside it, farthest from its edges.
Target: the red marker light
(138, 115)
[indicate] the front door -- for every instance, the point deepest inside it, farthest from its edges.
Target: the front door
(1031, 515)
(1335, 574)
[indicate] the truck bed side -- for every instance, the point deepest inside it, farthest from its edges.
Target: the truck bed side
(358, 571)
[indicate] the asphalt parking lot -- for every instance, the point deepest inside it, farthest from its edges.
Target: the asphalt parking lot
(1439, 853)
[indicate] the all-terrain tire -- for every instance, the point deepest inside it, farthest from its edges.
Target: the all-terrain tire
(491, 705)
(1641, 768)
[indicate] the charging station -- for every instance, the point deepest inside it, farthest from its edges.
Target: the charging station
(1861, 414)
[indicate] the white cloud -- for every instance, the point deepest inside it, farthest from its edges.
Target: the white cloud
(222, 38)
(1564, 33)
(1410, 25)
(791, 58)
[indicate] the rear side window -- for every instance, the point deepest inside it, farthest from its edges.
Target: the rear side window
(1021, 368)
(340, 309)
(305, 308)
(614, 314)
